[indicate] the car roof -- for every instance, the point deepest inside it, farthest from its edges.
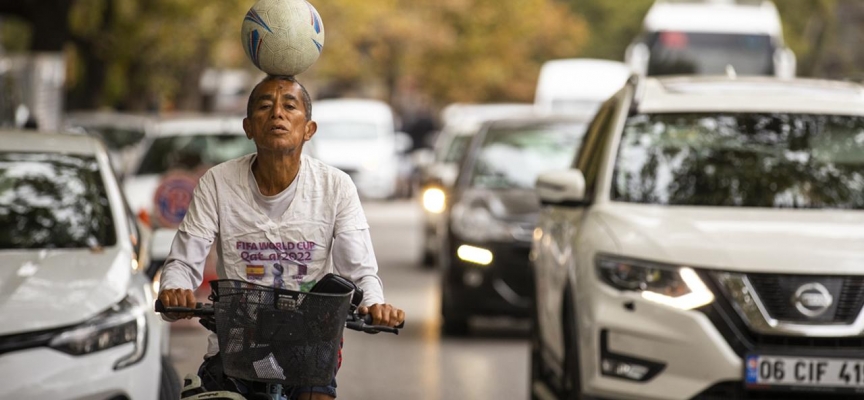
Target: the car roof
(352, 109)
(197, 124)
(718, 16)
(32, 141)
(518, 122)
(580, 78)
(106, 118)
(749, 94)
(466, 118)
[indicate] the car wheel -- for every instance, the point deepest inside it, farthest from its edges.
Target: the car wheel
(455, 322)
(169, 382)
(572, 378)
(428, 261)
(536, 357)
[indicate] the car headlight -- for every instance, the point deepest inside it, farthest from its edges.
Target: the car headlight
(678, 287)
(478, 224)
(434, 200)
(125, 322)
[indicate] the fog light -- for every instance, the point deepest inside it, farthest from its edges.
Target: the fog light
(473, 278)
(623, 369)
(624, 366)
(475, 255)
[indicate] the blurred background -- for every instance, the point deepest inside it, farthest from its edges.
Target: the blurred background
(164, 84)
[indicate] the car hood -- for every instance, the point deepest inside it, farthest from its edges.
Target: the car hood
(351, 154)
(44, 289)
(139, 191)
(740, 239)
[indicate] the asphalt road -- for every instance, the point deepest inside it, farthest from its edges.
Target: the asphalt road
(417, 364)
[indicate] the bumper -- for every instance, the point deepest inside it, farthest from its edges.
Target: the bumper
(504, 287)
(690, 352)
(44, 373)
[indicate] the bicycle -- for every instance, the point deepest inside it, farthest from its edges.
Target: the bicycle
(278, 337)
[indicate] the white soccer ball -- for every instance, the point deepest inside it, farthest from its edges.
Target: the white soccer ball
(282, 37)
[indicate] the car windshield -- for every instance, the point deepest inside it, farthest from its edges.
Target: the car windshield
(512, 157)
(346, 130)
(53, 201)
(116, 138)
(457, 148)
(742, 160)
(674, 53)
(192, 151)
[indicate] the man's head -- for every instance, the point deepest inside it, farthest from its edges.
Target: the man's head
(278, 115)
(307, 100)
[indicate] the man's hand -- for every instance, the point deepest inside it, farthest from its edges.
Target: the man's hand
(384, 314)
(177, 298)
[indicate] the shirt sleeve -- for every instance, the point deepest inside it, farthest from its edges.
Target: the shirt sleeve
(349, 214)
(354, 258)
(202, 218)
(184, 268)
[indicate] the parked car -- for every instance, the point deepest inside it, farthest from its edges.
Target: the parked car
(710, 38)
(359, 137)
(76, 305)
(460, 123)
(121, 133)
(484, 255)
(577, 86)
(707, 242)
(179, 151)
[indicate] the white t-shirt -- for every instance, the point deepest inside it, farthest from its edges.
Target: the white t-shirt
(275, 240)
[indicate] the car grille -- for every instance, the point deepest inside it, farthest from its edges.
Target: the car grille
(776, 293)
(516, 271)
(743, 340)
(28, 340)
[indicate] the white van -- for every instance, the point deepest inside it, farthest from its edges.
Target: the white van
(359, 137)
(577, 86)
(712, 37)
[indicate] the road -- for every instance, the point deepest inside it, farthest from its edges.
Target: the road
(418, 364)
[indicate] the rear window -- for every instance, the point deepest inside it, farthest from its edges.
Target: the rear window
(193, 151)
(53, 201)
(674, 53)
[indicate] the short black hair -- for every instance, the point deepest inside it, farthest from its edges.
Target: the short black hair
(307, 100)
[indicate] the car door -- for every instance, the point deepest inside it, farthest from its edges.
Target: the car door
(552, 251)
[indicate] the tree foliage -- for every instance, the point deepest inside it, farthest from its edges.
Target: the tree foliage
(150, 53)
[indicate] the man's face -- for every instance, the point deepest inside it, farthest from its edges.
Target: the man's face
(278, 120)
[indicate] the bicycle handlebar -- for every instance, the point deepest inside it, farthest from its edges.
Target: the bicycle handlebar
(353, 321)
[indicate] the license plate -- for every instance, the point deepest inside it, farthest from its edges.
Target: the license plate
(765, 371)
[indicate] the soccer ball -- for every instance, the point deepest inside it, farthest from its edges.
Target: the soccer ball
(282, 37)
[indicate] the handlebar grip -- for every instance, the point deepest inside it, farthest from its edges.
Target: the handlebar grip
(159, 307)
(367, 319)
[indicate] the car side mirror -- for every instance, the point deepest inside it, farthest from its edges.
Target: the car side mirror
(562, 188)
(785, 63)
(403, 142)
(636, 57)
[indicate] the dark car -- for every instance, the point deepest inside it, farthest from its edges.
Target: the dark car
(484, 254)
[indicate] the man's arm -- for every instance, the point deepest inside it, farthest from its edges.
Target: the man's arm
(354, 258)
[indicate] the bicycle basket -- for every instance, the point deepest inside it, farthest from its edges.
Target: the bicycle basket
(277, 335)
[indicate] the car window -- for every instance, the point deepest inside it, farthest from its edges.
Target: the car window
(53, 201)
(192, 151)
(116, 138)
(674, 53)
(511, 157)
(456, 150)
(346, 130)
(590, 157)
(746, 160)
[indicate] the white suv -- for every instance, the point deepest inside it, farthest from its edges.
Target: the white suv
(708, 243)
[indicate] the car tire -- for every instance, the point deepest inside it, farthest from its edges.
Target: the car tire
(536, 369)
(571, 384)
(169, 381)
(455, 323)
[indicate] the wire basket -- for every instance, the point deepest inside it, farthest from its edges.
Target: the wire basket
(277, 335)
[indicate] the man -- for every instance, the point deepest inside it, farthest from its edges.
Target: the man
(278, 219)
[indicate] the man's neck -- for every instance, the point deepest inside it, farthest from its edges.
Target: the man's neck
(274, 172)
